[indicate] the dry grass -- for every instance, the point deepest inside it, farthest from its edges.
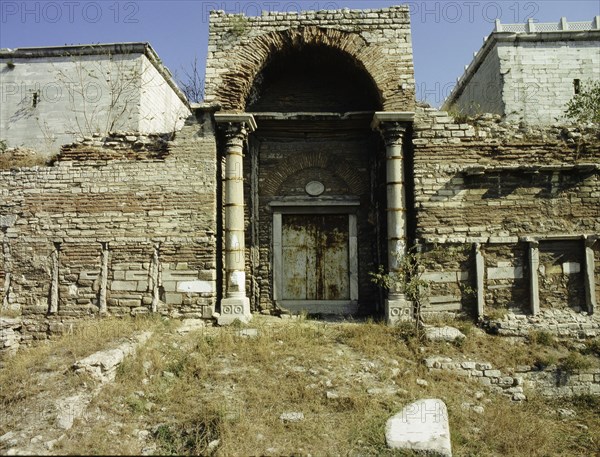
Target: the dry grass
(22, 158)
(18, 379)
(216, 392)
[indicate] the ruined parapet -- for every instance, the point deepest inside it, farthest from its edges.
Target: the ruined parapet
(116, 146)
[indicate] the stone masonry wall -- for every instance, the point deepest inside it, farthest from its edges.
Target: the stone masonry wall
(134, 226)
(507, 273)
(560, 322)
(529, 76)
(161, 109)
(378, 41)
(483, 92)
(518, 381)
(499, 185)
(538, 76)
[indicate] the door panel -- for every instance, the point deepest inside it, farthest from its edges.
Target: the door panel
(315, 257)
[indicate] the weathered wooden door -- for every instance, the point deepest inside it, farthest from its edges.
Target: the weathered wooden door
(315, 257)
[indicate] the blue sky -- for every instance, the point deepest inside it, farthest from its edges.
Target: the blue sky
(445, 34)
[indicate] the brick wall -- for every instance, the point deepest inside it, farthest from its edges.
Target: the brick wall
(497, 183)
(153, 216)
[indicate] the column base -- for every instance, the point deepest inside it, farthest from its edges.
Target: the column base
(233, 309)
(398, 309)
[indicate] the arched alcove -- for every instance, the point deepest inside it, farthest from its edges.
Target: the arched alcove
(313, 78)
(350, 50)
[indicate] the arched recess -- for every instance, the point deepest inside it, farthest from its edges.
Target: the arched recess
(252, 57)
(313, 78)
(336, 165)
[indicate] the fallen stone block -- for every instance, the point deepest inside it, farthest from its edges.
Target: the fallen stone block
(291, 417)
(71, 408)
(102, 365)
(421, 426)
(445, 333)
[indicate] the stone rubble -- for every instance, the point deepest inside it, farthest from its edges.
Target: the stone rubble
(549, 381)
(561, 322)
(10, 335)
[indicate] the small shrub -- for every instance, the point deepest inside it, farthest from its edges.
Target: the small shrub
(593, 347)
(178, 365)
(543, 361)
(461, 115)
(239, 25)
(496, 314)
(574, 362)
(408, 332)
(584, 107)
(192, 436)
(587, 402)
(136, 404)
(542, 338)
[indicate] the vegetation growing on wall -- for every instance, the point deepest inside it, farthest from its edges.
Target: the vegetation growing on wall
(584, 107)
(117, 81)
(408, 278)
(20, 158)
(239, 25)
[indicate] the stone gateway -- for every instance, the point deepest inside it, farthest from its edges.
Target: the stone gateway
(308, 165)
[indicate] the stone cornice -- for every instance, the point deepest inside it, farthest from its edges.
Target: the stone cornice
(236, 118)
(391, 116)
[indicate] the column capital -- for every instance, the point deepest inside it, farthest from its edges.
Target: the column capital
(392, 125)
(241, 119)
(235, 128)
(589, 240)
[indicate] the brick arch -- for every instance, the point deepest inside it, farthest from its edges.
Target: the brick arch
(254, 55)
(334, 164)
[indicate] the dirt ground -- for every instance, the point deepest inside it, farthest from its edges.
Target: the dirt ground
(276, 387)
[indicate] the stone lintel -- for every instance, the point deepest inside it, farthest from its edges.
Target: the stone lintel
(391, 116)
(236, 118)
(554, 237)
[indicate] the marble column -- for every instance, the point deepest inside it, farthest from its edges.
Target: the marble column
(534, 288)
(590, 269)
(235, 305)
(392, 126)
